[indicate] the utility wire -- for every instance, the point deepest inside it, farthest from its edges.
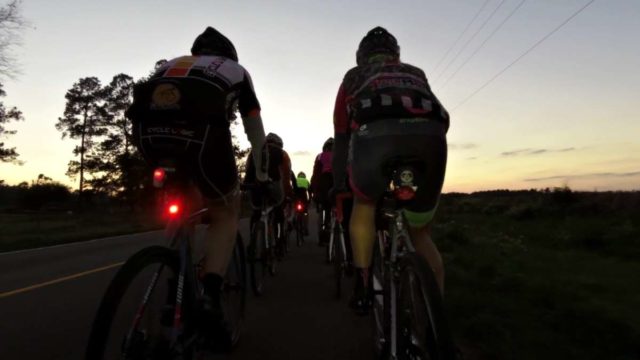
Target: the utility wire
(481, 45)
(461, 34)
(523, 55)
(471, 39)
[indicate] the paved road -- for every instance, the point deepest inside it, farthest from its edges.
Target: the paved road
(58, 290)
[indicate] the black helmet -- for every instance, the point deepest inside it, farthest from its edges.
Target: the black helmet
(273, 138)
(212, 42)
(328, 145)
(377, 41)
(301, 174)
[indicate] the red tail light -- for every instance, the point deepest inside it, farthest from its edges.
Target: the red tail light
(158, 177)
(405, 193)
(173, 209)
(299, 207)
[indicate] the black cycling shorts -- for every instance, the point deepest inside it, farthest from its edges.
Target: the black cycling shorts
(202, 152)
(375, 144)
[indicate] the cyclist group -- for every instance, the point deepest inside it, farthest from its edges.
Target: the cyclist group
(384, 110)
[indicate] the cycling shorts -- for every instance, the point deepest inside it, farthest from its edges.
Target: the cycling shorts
(373, 145)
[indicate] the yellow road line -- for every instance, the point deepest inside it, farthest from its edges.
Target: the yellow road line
(55, 281)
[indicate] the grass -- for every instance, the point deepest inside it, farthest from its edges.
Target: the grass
(546, 285)
(29, 230)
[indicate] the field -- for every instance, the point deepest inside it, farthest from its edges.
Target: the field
(535, 275)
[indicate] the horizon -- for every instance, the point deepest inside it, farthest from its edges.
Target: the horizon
(539, 97)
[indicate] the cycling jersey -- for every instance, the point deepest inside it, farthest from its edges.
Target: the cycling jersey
(183, 112)
(386, 110)
(303, 183)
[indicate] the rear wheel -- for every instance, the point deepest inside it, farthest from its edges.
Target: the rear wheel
(339, 260)
(422, 328)
(135, 319)
(257, 252)
(235, 290)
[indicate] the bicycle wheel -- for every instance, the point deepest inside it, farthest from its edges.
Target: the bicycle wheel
(235, 290)
(299, 230)
(381, 303)
(422, 328)
(339, 260)
(135, 319)
(257, 259)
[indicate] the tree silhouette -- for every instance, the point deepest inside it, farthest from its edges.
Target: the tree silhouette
(7, 115)
(84, 118)
(11, 24)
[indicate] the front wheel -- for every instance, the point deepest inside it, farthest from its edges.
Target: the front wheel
(136, 317)
(423, 332)
(235, 290)
(339, 260)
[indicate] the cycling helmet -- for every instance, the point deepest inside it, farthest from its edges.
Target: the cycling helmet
(328, 145)
(301, 174)
(212, 42)
(377, 41)
(273, 138)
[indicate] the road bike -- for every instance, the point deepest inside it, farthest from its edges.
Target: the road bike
(337, 248)
(409, 320)
(152, 309)
(261, 251)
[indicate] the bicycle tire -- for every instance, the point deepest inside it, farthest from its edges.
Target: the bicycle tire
(102, 324)
(381, 303)
(419, 296)
(257, 259)
(236, 272)
(339, 259)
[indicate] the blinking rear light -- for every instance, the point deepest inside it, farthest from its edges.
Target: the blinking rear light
(173, 209)
(299, 207)
(159, 175)
(405, 193)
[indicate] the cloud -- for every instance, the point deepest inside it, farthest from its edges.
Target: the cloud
(582, 176)
(526, 152)
(472, 158)
(464, 146)
(302, 153)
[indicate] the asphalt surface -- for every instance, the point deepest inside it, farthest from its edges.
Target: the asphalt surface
(48, 298)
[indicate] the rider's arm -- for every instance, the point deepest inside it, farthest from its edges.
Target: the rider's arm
(341, 136)
(250, 111)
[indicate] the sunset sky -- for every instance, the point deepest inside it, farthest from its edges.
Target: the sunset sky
(566, 113)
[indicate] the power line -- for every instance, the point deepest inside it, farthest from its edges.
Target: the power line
(471, 39)
(461, 34)
(484, 42)
(523, 55)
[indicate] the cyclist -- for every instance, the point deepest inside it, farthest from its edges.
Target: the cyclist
(279, 172)
(182, 113)
(302, 194)
(321, 183)
(386, 109)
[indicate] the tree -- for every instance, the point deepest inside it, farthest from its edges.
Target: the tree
(11, 25)
(7, 115)
(84, 118)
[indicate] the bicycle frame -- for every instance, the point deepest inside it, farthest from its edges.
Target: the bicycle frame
(179, 231)
(336, 221)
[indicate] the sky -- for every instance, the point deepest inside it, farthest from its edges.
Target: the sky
(563, 114)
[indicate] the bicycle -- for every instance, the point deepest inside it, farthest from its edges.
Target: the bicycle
(337, 250)
(409, 320)
(260, 253)
(299, 221)
(141, 318)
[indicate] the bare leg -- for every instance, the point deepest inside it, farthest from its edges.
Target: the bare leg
(363, 235)
(221, 233)
(426, 248)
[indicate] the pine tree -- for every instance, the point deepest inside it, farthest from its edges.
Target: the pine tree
(84, 118)
(7, 115)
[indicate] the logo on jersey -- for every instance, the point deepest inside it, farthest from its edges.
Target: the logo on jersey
(212, 69)
(165, 96)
